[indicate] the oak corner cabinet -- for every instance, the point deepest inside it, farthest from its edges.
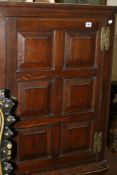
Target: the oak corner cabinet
(56, 60)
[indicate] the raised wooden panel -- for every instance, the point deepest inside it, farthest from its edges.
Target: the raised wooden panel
(35, 49)
(35, 97)
(80, 49)
(38, 141)
(78, 94)
(76, 136)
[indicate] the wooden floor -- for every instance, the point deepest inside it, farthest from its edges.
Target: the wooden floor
(113, 163)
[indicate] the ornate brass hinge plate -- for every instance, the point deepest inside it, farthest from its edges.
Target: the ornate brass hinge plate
(97, 142)
(6, 119)
(102, 39)
(105, 38)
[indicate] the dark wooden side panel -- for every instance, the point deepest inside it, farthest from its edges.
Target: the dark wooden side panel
(2, 53)
(106, 86)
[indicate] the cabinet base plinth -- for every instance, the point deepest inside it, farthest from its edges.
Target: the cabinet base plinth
(97, 168)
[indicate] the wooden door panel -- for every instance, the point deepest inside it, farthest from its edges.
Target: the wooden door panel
(76, 137)
(35, 49)
(78, 95)
(44, 142)
(35, 98)
(35, 142)
(38, 46)
(80, 49)
(55, 76)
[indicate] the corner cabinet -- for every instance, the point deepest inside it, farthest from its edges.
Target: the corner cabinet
(56, 60)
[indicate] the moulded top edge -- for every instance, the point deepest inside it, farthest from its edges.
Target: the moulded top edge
(57, 5)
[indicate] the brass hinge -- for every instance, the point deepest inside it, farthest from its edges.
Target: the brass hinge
(105, 38)
(97, 142)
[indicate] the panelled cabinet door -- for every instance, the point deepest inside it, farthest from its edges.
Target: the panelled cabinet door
(54, 70)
